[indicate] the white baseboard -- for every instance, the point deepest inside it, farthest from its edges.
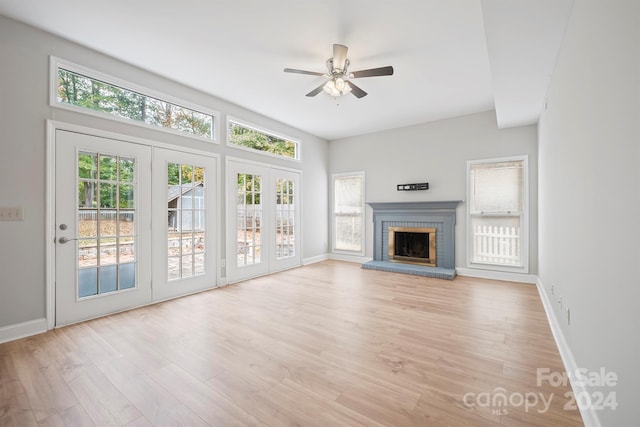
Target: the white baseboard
(314, 259)
(589, 415)
(497, 275)
(350, 258)
(22, 330)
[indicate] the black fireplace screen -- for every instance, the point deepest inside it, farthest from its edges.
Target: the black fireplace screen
(413, 245)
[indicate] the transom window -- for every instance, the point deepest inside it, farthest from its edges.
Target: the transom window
(98, 94)
(245, 136)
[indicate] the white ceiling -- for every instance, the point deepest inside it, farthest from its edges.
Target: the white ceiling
(451, 58)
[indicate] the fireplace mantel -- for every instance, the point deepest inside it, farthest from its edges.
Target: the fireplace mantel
(440, 215)
(404, 207)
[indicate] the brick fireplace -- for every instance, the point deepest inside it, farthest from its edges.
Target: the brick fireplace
(434, 219)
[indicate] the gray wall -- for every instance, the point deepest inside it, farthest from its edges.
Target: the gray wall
(24, 108)
(589, 195)
(436, 153)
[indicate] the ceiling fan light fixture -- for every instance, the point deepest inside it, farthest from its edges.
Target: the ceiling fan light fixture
(337, 86)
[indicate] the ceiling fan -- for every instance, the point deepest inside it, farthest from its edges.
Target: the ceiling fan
(339, 78)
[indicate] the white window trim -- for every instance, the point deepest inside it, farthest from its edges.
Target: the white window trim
(265, 131)
(524, 240)
(363, 239)
(55, 63)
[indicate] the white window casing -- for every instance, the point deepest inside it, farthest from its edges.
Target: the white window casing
(498, 214)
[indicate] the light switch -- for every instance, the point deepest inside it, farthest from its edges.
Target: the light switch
(11, 214)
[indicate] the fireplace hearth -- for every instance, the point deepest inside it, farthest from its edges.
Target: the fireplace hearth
(414, 238)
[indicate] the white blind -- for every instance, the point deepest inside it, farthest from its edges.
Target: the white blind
(348, 195)
(497, 187)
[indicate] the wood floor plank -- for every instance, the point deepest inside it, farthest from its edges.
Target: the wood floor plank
(207, 402)
(326, 344)
(104, 403)
(45, 388)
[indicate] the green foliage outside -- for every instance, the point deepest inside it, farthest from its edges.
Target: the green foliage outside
(109, 186)
(93, 94)
(240, 135)
(249, 189)
(178, 174)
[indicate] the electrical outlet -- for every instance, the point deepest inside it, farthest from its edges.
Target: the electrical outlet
(11, 214)
(222, 263)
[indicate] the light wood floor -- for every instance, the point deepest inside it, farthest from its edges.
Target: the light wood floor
(328, 344)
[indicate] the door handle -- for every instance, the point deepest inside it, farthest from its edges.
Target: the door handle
(64, 240)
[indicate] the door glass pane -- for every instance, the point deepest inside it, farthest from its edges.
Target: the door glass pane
(126, 223)
(126, 196)
(285, 211)
(87, 193)
(249, 219)
(87, 253)
(108, 195)
(186, 209)
(87, 282)
(198, 264)
(108, 279)
(87, 165)
(127, 275)
(187, 266)
(106, 223)
(126, 169)
(126, 250)
(88, 223)
(108, 168)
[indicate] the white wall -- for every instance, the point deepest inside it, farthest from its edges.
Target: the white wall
(589, 195)
(436, 153)
(24, 109)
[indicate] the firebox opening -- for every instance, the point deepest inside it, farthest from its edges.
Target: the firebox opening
(412, 245)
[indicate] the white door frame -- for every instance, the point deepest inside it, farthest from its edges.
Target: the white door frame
(50, 229)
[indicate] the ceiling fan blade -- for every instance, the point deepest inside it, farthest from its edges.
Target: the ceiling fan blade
(316, 90)
(373, 72)
(356, 91)
(339, 56)
(311, 73)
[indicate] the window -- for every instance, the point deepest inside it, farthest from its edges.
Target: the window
(498, 214)
(348, 213)
(251, 138)
(76, 87)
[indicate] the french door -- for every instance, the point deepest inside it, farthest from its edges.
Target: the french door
(184, 223)
(263, 217)
(115, 231)
(103, 226)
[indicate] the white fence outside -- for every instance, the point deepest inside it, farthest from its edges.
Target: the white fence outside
(496, 245)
